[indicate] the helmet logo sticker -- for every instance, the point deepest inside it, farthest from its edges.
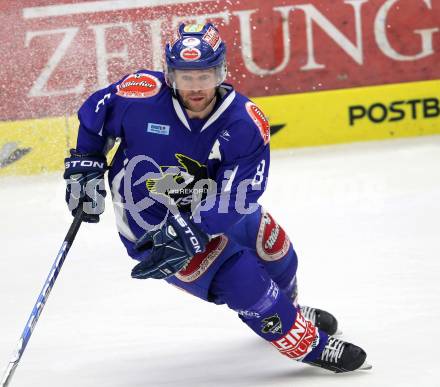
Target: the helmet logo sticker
(190, 54)
(193, 28)
(212, 38)
(260, 120)
(191, 42)
(139, 85)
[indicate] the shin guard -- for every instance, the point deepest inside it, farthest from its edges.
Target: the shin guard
(246, 287)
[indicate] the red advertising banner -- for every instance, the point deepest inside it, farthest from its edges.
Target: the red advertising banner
(55, 53)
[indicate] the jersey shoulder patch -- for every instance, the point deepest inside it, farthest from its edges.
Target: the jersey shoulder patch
(139, 85)
(259, 120)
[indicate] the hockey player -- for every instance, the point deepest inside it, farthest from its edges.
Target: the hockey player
(192, 162)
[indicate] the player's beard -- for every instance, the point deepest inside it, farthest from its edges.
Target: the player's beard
(197, 101)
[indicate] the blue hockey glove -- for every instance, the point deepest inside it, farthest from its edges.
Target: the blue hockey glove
(169, 248)
(84, 175)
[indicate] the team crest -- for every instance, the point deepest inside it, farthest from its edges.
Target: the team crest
(260, 120)
(179, 182)
(139, 85)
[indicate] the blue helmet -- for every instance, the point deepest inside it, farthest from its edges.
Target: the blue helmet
(197, 47)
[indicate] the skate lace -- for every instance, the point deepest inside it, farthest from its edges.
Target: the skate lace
(333, 350)
(309, 313)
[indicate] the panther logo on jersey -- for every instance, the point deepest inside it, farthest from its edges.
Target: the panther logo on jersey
(178, 183)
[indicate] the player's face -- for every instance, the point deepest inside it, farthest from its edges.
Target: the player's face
(196, 88)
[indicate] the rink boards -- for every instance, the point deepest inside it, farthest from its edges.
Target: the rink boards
(358, 114)
(300, 120)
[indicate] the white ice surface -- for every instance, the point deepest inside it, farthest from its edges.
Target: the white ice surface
(364, 219)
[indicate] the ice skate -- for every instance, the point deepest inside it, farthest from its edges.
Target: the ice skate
(321, 319)
(339, 356)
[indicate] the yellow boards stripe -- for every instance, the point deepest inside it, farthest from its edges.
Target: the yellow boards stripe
(348, 115)
(35, 146)
(39, 145)
(318, 118)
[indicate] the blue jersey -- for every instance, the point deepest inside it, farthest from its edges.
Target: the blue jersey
(161, 144)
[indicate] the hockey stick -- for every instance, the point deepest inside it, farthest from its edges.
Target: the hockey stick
(42, 298)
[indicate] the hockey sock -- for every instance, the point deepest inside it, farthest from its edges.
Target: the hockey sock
(284, 273)
(246, 287)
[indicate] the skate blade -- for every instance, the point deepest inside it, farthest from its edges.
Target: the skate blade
(365, 367)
